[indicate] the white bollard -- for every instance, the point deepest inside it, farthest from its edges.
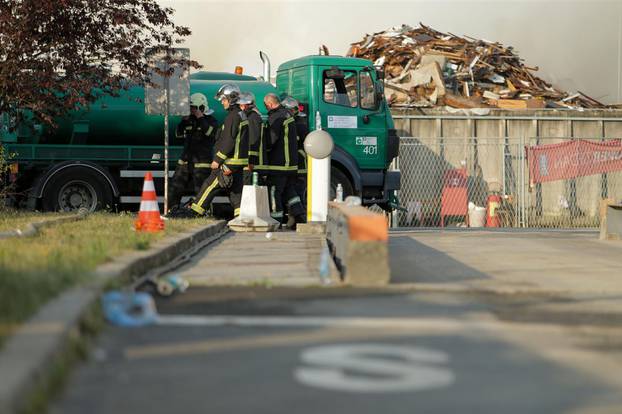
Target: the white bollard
(318, 146)
(318, 188)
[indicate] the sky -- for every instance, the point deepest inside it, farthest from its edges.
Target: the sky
(576, 44)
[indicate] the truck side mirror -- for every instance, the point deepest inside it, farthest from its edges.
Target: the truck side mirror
(379, 97)
(379, 73)
(379, 90)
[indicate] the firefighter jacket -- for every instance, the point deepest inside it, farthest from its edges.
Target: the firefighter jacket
(199, 137)
(281, 142)
(255, 134)
(301, 131)
(232, 141)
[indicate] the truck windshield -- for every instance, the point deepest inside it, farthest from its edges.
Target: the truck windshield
(341, 91)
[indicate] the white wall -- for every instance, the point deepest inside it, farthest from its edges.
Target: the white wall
(576, 44)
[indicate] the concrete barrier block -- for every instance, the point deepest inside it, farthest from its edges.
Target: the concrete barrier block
(358, 239)
(610, 220)
(254, 211)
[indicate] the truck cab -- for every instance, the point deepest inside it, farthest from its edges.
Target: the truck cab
(348, 95)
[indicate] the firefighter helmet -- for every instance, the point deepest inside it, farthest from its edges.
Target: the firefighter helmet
(290, 103)
(199, 100)
(228, 91)
(247, 98)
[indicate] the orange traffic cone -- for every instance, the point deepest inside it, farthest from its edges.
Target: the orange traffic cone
(149, 219)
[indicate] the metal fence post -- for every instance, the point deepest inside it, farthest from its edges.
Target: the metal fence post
(526, 184)
(395, 166)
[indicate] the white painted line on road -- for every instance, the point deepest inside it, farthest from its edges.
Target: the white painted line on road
(310, 321)
(374, 368)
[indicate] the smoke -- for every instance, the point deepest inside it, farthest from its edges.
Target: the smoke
(576, 44)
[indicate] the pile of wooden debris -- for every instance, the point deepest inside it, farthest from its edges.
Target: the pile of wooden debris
(426, 68)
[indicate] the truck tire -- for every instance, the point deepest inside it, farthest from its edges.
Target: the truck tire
(338, 177)
(77, 188)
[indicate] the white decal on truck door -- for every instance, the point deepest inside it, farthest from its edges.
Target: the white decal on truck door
(370, 145)
(336, 121)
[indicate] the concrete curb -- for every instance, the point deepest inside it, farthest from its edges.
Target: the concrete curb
(32, 229)
(334, 276)
(29, 355)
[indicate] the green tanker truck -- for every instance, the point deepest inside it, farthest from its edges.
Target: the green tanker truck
(97, 159)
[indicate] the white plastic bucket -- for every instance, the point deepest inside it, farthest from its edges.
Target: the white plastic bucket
(477, 216)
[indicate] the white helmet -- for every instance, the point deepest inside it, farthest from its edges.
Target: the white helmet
(228, 91)
(199, 100)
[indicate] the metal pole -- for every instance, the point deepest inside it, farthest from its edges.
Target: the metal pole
(521, 183)
(524, 184)
(523, 197)
(394, 214)
(166, 113)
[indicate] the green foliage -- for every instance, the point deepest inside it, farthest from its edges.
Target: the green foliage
(57, 57)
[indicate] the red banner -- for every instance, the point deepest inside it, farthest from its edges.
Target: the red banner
(571, 159)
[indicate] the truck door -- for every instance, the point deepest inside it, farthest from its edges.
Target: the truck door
(352, 114)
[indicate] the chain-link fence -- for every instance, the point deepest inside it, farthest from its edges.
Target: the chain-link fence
(507, 182)
(569, 178)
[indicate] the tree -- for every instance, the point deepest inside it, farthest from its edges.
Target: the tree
(61, 55)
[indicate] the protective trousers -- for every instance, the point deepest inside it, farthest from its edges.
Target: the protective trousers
(248, 176)
(184, 173)
(284, 195)
(211, 187)
(301, 188)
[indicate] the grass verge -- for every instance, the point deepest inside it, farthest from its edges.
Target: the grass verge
(35, 269)
(13, 220)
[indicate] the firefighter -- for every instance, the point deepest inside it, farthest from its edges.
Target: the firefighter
(198, 130)
(302, 129)
(255, 133)
(282, 160)
(231, 155)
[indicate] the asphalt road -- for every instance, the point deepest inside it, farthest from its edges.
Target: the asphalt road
(426, 345)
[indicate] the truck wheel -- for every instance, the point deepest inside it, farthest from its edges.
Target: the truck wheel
(77, 188)
(337, 177)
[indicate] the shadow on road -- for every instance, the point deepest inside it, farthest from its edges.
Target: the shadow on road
(412, 261)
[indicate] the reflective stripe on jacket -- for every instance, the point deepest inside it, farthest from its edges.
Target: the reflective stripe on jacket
(280, 144)
(199, 137)
(232, 143)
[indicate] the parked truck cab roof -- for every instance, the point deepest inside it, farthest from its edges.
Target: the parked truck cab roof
(221, 76)
(312, 60)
